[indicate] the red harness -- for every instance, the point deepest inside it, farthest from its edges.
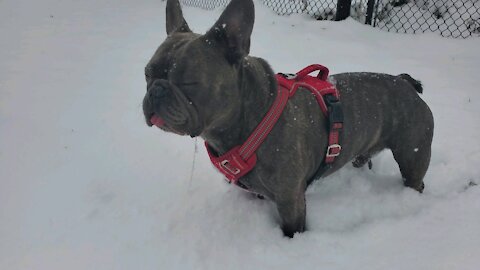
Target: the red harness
(242, 158)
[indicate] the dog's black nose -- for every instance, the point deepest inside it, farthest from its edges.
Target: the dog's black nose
(159, 88)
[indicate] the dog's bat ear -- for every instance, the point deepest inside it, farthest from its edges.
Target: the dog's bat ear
(175, 20)
(233, 29)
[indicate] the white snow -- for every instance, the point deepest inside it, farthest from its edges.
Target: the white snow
(85, 184)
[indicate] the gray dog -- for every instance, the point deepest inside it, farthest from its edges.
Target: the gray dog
(208, 86)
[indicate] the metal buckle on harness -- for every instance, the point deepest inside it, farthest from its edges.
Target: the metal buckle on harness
(227, 166)
(331, 149)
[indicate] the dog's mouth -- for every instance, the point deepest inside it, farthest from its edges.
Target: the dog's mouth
(159, 122)
(175, 121)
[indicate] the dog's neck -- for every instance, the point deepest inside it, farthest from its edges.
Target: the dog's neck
(258, 93)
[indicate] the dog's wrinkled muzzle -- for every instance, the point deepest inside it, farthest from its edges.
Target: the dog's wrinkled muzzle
(168, 108)
(158, 94)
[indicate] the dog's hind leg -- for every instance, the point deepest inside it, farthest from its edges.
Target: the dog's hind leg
(412, 151)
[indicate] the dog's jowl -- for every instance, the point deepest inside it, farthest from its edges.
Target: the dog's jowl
(207, 85)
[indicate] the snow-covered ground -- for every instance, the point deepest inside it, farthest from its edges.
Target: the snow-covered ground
(85, 184)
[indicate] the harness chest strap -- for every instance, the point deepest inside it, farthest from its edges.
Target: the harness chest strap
(242, 159)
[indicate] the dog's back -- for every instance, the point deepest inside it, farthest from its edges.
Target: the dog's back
(385, 111)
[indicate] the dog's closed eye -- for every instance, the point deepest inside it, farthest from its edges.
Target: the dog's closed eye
(187, 83)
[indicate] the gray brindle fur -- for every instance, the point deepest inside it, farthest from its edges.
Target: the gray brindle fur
(208, 86)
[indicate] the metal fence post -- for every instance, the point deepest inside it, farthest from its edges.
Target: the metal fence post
(343, 9)
(370, 8)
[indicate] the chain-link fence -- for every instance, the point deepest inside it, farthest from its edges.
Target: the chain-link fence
(450, 18)
(205, 4)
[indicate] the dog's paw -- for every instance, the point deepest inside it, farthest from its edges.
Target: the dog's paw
(360, 161)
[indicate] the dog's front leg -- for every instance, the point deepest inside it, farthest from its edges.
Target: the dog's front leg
(292, 210)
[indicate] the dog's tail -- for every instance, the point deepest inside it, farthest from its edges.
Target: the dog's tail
(416, 84)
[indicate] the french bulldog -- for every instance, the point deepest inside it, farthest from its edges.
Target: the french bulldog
(208, 86)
